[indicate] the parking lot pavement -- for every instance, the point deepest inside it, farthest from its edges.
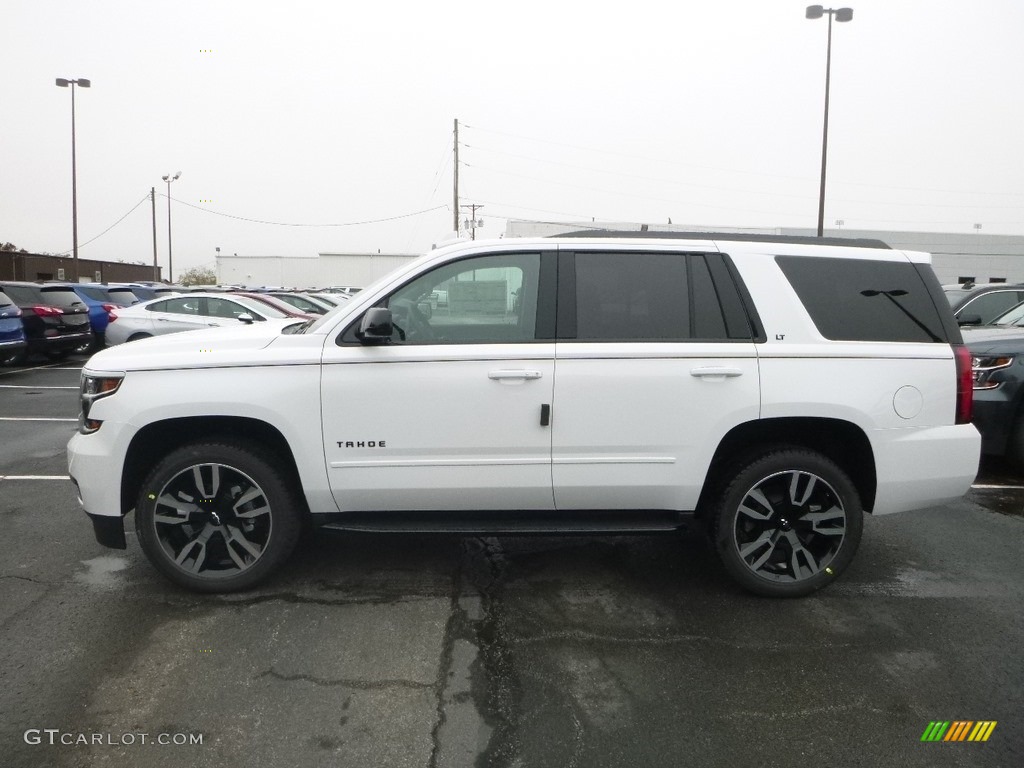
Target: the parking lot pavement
(514, 651)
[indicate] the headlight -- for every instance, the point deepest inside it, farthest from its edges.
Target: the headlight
(92, 389)
(982, 369)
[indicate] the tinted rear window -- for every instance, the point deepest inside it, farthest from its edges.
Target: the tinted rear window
(5, 300)
(65, 298)
(862, 300)
(24, 295)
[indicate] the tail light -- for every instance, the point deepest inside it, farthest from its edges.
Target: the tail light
(44, 311)
(964, 384)
(111, 314)
(109, 308)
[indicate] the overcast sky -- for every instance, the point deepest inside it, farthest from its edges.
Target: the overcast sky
(333, 113)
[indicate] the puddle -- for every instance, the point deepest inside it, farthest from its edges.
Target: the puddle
(1006, 502)
(100, 571)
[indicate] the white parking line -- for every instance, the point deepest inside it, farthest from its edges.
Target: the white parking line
(983, 487)
(35, 368)
(32, 418)
(35, 477)
(26, 386)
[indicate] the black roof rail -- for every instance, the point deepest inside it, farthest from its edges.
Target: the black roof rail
(850, 242)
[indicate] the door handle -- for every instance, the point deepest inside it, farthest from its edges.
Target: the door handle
(499, 375)
(715, 372)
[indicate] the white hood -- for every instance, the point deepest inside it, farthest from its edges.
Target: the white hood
(206, 347)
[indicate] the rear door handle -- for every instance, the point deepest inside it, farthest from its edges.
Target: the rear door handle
(499, 375)
(715, 372)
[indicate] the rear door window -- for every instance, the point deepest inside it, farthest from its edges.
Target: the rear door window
(864, 299)
(656, 296)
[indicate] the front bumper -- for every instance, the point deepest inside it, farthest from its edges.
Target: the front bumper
(109, 529)
(995, 412)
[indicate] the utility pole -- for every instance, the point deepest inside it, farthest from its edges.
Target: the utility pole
(152, 200)
(473, 223)
(455, 207)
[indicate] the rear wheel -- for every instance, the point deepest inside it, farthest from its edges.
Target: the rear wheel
(137, 336)
(788, 523)
(216, 517)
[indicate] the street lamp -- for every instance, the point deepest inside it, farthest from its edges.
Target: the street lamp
(63, 83)
(841, 14)
(170, 255)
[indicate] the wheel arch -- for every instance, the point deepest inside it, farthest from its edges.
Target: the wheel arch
(156, 440)
(841, 441)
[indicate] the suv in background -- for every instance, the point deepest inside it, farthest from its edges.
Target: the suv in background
(100, 304)
(771, 389)
(981, 304)
(12, 330)
(56, 320)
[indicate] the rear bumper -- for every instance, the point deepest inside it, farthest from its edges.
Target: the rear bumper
(927, 467)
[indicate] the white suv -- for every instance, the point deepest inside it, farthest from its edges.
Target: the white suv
(773, 389)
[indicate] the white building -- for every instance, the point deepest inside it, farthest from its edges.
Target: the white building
(955, 256)
(327, 269)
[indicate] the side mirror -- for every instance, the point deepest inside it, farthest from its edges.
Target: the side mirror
(376, 326)
(969, 320)
(425, 309)
(246, 318)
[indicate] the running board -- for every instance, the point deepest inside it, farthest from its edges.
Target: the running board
(507, 522)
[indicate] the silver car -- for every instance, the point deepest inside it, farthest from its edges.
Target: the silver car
(186, 312)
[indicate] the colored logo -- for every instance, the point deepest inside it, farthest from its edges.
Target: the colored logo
(959, 730)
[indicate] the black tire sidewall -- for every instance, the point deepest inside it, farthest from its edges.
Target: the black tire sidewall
(750, 474)
(286, 524)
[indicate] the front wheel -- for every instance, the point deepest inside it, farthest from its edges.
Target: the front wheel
(788, 523)
(216, 517)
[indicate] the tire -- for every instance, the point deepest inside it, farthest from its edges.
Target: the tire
(762, 529)
(1015, 444)
(242, 525)
(14, 358)
(137, 336)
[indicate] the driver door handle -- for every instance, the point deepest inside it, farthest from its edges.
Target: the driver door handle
(509, 374)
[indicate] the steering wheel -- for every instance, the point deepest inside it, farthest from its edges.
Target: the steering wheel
(408, 316)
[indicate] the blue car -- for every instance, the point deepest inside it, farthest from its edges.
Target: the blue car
(101, 302)
(12, 330)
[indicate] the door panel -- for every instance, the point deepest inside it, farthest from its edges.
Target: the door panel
(635, 425)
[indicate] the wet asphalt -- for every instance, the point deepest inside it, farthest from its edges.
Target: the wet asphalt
(371, 650)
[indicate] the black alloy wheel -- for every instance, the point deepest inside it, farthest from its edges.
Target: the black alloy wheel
(217, 517)
(788, 524)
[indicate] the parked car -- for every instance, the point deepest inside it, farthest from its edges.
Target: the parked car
(12, 330)
(772, 390)
(304, 302)
(186, 312)
(997, 363)
(100, 304)
(55, 318)
(276, 303)
(147, 292)
(981, 304)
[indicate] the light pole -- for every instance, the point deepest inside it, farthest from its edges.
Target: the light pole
(841, 14)
(170, 254)
(63, 83)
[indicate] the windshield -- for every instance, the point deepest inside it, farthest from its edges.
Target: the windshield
(1013, 316)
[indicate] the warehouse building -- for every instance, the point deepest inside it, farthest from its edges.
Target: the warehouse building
(327, 269)
(956, 257)
(39, 266)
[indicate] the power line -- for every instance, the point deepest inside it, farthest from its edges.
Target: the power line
(101, 234)
(290, 224)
